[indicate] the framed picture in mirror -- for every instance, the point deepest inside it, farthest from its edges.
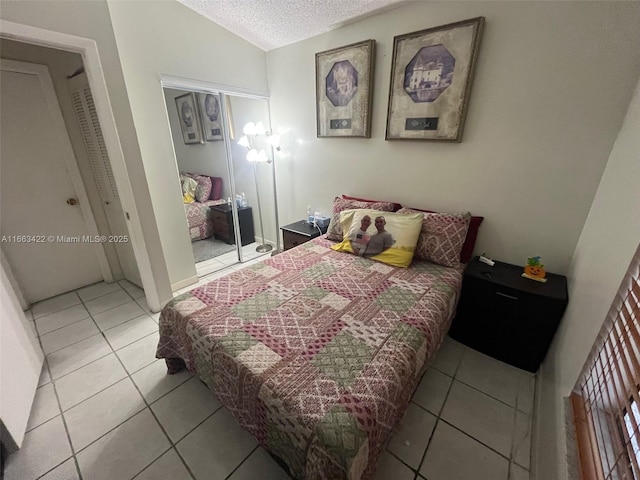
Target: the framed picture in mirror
(344, 88)
(209, 105)
(189, 121)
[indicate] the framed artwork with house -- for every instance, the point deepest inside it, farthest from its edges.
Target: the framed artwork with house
(431, 76)
(189, 121)
(209, 106)
(344, 87)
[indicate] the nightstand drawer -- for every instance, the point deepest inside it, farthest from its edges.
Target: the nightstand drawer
(300, 232)
(219, 218)
(291, 239)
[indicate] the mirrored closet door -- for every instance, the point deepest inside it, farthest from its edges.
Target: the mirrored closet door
(251, 159)
(220, 187)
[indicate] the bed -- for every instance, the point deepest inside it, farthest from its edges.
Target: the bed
(207, 194)
(315, 352)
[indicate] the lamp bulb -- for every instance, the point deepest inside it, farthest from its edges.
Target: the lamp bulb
(244, 142)
(260, 129)
(262, 156)
(274, 140)
(249, 129)
(252, 155)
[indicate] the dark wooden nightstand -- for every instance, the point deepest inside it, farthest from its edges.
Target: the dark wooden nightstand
(300, 232)
(222, 221)
(508, 317)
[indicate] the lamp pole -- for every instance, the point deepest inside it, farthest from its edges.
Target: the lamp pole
(264, 247)
(275, 199)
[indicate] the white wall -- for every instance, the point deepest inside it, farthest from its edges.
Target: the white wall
(608, 241)
(173, 40)
(552, 84)
(61, 64)
(91, 20)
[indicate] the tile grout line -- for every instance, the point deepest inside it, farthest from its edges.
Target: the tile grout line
(59, 328)
(62, 417)
(400, 460)
(240, 464)
(90, 315)
(438, 416)
(116, 282)
(147, 467)
(56, 311)
(417, 471)
(511, 453)
(53, 381)
(482, 391)
(100, 332)
(515, 411)
(148, 406)
(474, 438)
(492, 397)
(120, 424)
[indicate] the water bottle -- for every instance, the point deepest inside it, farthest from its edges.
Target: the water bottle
(310, 218)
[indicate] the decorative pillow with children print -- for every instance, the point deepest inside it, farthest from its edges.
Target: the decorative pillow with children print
(383, 236)
(334, 231)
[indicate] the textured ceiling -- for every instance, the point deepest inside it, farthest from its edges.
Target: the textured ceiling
(270, 24)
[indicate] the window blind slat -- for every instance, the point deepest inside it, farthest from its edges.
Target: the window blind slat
(607, 396)
(609, 441)
(622, 396)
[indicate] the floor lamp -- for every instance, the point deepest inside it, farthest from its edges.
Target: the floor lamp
(252, 130)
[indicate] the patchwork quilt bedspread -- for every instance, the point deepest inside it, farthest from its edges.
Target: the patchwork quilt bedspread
(315, 352)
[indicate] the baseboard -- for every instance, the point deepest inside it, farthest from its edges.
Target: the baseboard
(184, 283)
(266, 241)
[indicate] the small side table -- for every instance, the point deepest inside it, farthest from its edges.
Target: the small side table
(299, 232)
(222, 221)
(509, 317)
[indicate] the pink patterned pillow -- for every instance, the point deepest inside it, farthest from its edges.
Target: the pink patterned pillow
(203, 190)
(334, 231)
(442, 237)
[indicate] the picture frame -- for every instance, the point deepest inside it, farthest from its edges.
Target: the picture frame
(189, 118)
(431, 77)
(211, 116)
(344, 90)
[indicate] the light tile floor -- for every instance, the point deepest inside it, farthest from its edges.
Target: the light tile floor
(112, 412)
(229, 259)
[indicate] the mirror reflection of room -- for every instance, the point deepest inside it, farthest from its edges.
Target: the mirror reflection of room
(198, 137)
(254, 178)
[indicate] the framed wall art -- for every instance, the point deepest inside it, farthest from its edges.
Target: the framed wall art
(209, 106)
(189, 121)
(431, 76)
(344, 87)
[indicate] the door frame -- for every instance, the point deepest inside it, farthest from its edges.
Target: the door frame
(88, 49)
(60, 130)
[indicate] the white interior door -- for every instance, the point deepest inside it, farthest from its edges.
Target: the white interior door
(44, 237)
(20, 364)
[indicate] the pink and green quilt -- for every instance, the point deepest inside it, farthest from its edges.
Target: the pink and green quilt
(315, 352)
